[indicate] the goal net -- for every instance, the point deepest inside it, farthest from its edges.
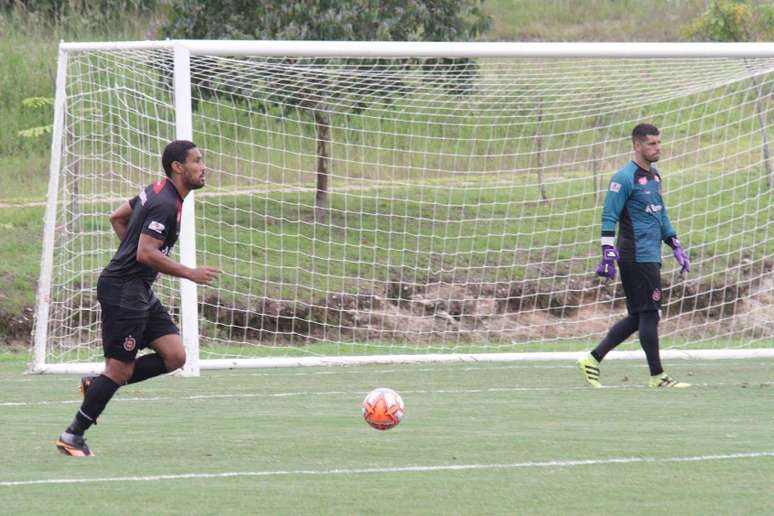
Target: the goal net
(369, 200)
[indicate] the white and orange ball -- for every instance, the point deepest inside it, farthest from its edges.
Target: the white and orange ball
(383, 408)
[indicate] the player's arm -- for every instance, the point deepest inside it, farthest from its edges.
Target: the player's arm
(149, 254)
(618, 191)
(669, 236)
(119, 219)
(667, 231)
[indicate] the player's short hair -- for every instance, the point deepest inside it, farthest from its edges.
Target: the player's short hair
(642, 131)
(175, 151)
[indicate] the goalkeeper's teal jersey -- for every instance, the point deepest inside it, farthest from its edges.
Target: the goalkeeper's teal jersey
(634, 202)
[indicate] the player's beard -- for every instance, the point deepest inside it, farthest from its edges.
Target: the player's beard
(194, 184)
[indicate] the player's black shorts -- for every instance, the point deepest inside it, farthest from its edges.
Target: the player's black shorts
(132, 317)
(642, 286)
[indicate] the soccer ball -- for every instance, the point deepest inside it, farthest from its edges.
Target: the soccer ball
(383, 408)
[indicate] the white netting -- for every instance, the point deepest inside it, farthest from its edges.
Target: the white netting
(463, 198)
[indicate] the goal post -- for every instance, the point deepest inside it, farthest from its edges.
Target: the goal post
(375, 202)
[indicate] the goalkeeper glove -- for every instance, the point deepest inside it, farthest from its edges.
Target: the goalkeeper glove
(680, 255)
(606, 267)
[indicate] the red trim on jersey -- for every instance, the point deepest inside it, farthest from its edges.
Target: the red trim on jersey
(159, 185)
(179, 210)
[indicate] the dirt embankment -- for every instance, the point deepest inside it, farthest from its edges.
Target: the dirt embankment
(441, 310)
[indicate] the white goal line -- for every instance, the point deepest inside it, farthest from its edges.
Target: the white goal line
(319, 361)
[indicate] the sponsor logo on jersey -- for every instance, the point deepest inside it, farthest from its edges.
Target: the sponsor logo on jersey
(643, 180)
(158, 227)
(656, 295)
(615, 187)
(653, 208)
(129, 343)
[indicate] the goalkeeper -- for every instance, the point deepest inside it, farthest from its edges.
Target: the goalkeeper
(634, 202)
(132, 316)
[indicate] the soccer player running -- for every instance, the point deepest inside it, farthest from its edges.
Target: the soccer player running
(634, 202)
(132, 317)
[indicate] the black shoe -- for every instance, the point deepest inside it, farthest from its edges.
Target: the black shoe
(73, 445)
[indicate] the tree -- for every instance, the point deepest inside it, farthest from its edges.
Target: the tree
(740, 20)
(343, 20)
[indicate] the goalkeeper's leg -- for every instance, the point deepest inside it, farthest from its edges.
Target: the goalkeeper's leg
(649, 341)
(589, 364)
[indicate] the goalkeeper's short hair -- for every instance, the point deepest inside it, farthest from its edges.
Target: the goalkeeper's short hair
(642, 131)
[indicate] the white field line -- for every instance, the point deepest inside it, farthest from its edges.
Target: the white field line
(196, 397)
(403, 469)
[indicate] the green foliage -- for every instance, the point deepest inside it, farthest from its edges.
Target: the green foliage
(733, 20)
(34, 132)
(347, 20)
(56, 11)
(36, 103)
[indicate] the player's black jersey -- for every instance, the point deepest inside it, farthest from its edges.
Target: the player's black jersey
(156, 212)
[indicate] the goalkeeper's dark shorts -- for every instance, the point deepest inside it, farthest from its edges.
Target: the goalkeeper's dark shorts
(132, 317)
(642, 285)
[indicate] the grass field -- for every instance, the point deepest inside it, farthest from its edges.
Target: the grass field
(477, 439)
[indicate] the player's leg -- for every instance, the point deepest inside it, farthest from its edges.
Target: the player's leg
(619, 332)
(647, 302)
(650, 345)
(163, 337)
(170, 348)
(648, 329)
(121, 328)
(100, 391)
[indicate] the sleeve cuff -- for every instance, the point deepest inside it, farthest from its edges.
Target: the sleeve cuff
(608, 240)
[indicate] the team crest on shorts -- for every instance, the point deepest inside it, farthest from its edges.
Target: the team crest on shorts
(656, 295)
(130, 343)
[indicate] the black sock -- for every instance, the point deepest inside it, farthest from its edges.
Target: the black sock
(148, 366)
(620, 331)
(649, 341)
(97, 396)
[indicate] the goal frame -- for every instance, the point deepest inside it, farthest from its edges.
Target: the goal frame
(184, 49)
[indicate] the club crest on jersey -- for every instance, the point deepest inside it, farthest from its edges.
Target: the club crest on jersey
(615, 187)
(656, 295)
(158, 227)
(643, 180)
(130, 343)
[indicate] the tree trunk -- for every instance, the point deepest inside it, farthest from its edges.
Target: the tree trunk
(539, 150)
(74, 222)
(597, 154)
(761, 114)
(323, 124)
